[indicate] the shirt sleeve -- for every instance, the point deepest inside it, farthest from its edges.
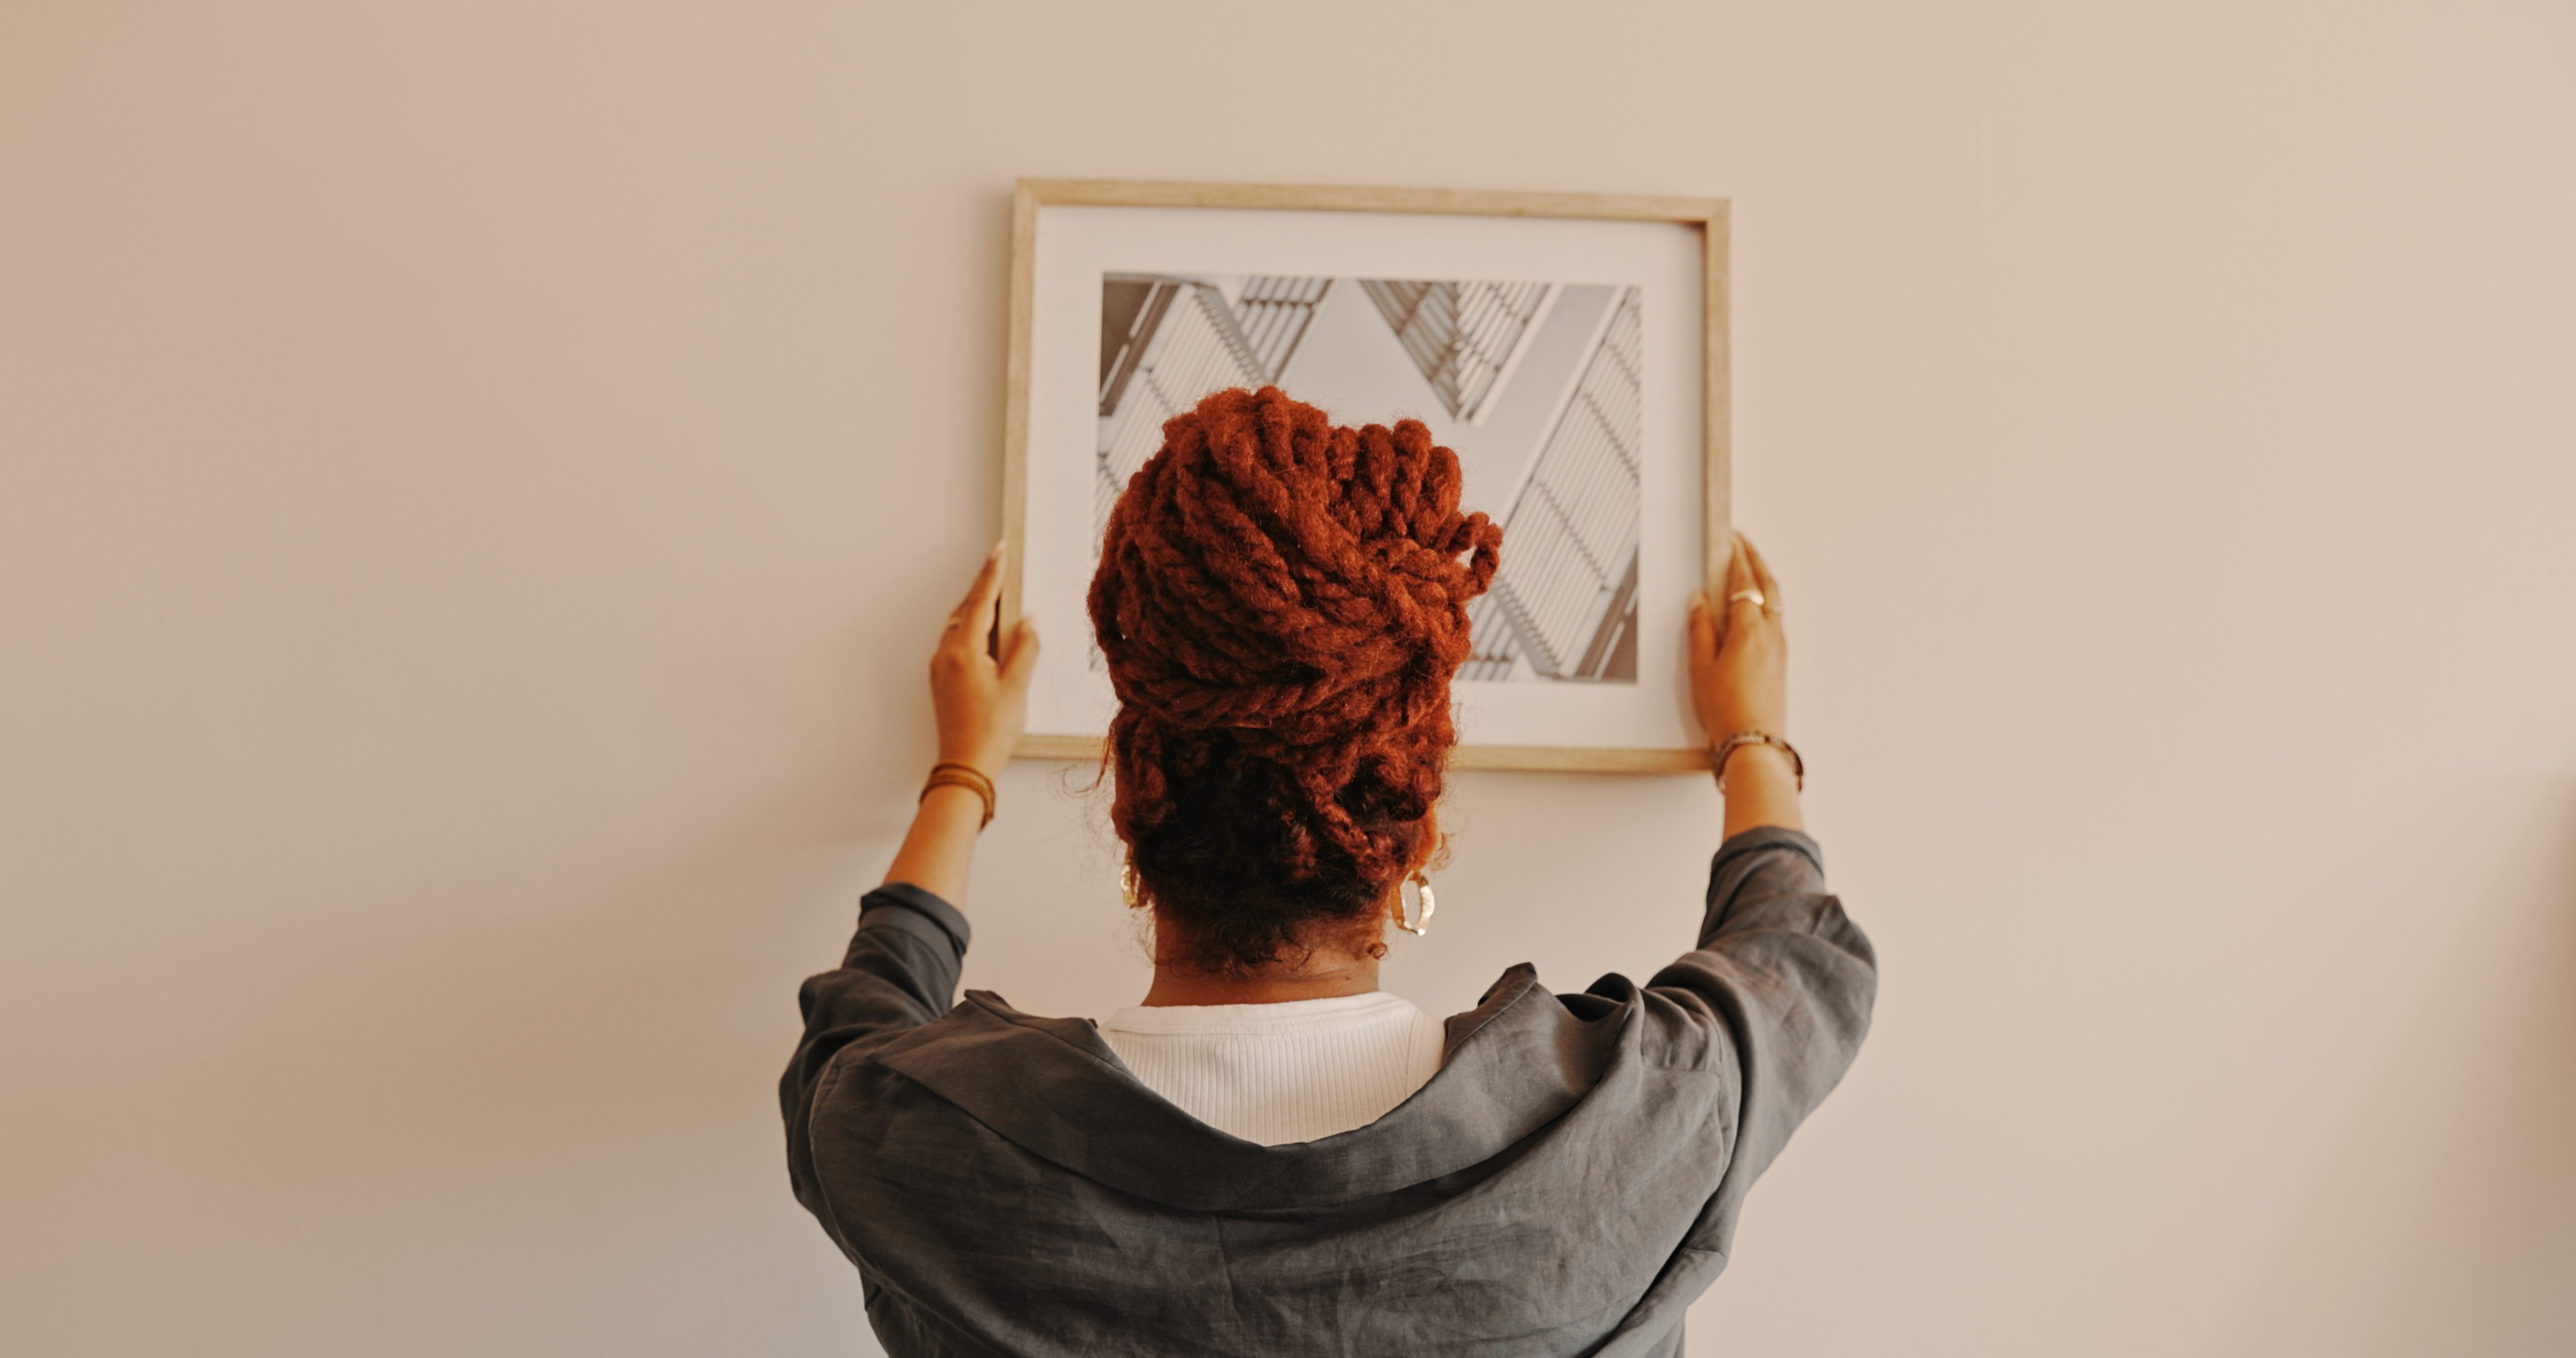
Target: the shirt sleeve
(900, 972)
(1780, 990)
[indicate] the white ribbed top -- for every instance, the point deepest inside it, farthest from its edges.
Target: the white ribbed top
(1276, 1073)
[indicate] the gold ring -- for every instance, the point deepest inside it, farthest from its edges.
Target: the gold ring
(1753, 594)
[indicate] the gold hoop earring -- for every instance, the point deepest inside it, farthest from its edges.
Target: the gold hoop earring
(1421, 922)
(1127, 882)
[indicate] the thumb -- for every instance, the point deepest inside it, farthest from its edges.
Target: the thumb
(1022, 661)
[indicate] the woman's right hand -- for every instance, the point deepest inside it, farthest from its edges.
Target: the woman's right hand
(1739, 662)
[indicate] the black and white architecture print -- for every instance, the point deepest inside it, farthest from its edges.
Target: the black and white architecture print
(1538, 386)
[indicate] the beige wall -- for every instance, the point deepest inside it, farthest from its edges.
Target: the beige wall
(479, 482)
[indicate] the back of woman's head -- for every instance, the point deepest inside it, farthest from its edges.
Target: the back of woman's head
(1282, 605)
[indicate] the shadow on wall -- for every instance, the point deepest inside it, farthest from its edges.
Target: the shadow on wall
(2445, 1223)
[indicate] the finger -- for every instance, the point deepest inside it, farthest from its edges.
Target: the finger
(976, 613)
(1762, 579)
(1739, 578)
(1022, 661)
(1739, 572)
(1703, 626)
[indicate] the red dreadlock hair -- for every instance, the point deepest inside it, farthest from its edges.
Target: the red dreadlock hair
(1282, 606)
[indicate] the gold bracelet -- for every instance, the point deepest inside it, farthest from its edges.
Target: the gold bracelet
(1717, 759)
(949, 773)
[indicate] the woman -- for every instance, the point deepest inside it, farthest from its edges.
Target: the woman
(1268, 1155)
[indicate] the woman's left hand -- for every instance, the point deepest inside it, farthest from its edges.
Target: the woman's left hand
(982, 701)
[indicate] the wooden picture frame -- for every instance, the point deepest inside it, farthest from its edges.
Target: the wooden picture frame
(1707, 215)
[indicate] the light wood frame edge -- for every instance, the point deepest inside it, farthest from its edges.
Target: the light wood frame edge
(1709, 214)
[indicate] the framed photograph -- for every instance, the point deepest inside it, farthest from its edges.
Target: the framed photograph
(1570, 348)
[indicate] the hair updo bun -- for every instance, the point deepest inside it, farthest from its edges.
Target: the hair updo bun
(1282, 604)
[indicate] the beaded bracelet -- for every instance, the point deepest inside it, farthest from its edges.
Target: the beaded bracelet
(1728, 746)
(949, 773)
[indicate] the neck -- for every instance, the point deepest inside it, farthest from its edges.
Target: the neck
(1321, 978)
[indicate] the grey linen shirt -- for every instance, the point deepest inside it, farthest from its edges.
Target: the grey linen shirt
(1566, 1184)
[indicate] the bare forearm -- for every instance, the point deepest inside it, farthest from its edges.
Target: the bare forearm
(940, 847)
(1761, 788)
